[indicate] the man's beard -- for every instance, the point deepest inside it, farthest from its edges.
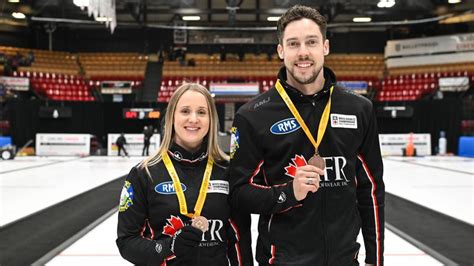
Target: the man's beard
(309, 80)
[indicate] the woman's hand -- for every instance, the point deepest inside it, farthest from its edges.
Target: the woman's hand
(185, 239)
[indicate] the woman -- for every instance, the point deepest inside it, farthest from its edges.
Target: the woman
(173, 206)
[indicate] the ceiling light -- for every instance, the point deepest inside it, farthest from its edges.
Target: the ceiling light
(389, 4)
(386, 3)
(454, 1)
(81, 3)
(13, 1)
(273, 18)
(102, 19)
(191, 18)
(18, 15)
(362, 19)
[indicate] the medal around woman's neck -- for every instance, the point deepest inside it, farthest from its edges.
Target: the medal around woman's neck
(201, 223)
(183, 208)
(316, 159)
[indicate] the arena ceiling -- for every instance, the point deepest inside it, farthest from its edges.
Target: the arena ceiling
(233, 13)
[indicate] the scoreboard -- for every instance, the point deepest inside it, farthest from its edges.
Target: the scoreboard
(141, 113)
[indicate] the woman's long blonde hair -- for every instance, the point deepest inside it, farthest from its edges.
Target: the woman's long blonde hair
(213, 150)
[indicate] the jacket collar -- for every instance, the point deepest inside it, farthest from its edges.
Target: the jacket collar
(297, 96)
(180, 154)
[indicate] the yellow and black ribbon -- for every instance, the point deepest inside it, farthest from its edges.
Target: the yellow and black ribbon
(323, 123)
(183, 208)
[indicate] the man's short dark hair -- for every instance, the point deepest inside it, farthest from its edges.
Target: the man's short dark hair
(298, 12)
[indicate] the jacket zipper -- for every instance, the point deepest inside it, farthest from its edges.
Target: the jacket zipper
(326, 251)
(269, 223)
(270, 235)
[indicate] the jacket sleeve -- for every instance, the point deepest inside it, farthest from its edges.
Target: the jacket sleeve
(240, 239)
(371, 192)
(249, 191)
(132, 222)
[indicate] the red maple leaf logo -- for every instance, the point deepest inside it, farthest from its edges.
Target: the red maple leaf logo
(172, 226)
(298, 161)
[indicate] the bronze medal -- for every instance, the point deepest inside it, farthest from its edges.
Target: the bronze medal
(317, 161)
(201, 223)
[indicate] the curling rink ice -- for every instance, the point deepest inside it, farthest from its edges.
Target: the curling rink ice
(30, 184)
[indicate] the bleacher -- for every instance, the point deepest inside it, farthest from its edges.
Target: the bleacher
(415, 82)
(64, 76)
(210, 69)
(60, 87)
(46, 61)
(357, 67)
(114, 66)
(442, 69)
(71, 77)
(257, 68)
(54, 75)
(407, 87)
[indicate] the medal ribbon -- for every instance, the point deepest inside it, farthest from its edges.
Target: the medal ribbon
(183, 208)
(324, 118)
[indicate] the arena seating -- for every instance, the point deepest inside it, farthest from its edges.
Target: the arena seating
(46, 61)
(258, 68)
(415, 82)
(54, 75)
(69, 77)
(210, 69)
(114, 66)
(61, 87)
(407, 87)
(368, 67)
(443, 69)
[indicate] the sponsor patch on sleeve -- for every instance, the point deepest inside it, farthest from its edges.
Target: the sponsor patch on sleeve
(343, 121)
(234, 141)
(126, 197)
(218, 186)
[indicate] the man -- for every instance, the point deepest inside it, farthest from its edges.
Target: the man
(310, 165)
(147, 134)
(121, 142)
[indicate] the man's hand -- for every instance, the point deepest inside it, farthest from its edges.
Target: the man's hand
(306, 179)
